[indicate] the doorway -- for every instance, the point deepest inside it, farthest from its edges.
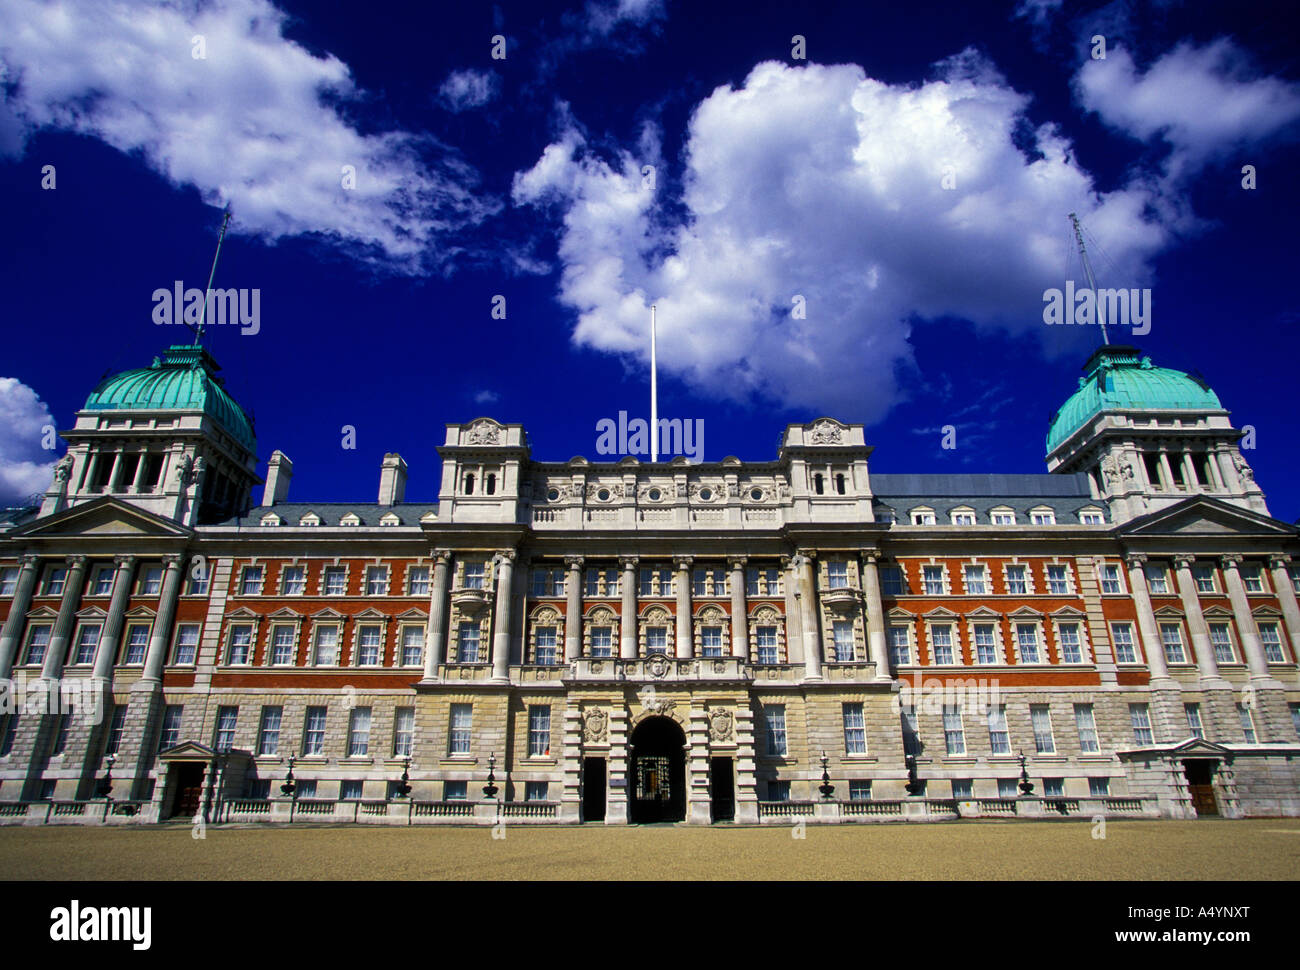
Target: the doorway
(722, 786)
(593, 789)
(187, 782)
(1200, 782)
(657, 772)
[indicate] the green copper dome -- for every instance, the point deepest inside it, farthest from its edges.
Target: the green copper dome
(1120, 378)
(185, 380)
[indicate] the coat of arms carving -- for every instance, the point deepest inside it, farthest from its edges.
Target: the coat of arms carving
(595, 725)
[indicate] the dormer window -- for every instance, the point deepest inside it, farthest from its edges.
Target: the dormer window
(1092, 517)
(963, 516)
(1042, 516)
(350, 519)
(923, 516)
(1002, 516)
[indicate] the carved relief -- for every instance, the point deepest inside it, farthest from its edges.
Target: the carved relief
(595, 726)
(826, 433)
(721, 725)
(615, 490)
(483, 432)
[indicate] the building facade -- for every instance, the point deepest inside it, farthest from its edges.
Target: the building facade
(636, 642)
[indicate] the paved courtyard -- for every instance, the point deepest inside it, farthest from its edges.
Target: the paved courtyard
(1234, 850)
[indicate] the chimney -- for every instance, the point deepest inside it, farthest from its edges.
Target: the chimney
(392, 480)
(279, 470)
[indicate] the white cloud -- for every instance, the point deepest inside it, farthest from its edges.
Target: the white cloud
(25, 467)
(255, 122)
(468, 89)
(603, 18)
(823, 183)
(486, 397)
(1204, 102)
(1038, 12)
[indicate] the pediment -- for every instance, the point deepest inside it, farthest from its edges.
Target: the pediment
(1203, 516)
(1194, 746)
(940, 613)
(413, 614)
(187, 751)
(106, 516)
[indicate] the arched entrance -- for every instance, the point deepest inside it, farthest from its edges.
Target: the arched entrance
(656, 755)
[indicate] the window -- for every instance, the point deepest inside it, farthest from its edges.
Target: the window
(251, 585)
(974, 577)
(656, 640)
(169, 734)
(1293, 571)
(241, 643)
(376, 580)
(38, 641)
(103, 584)
(709, 582)
(10, 733)
(1002, 517)
(779, 791)
(1253, 577)
(1058, 582)
(892, 582)
(268, 732)
(954, 734)
(1204, 575)
(710, 641)
(87, 641)
(283, 645)
(1087, 728)
(335, 580)
(842, 634)
(602, 641)
(1157, 580)
(963, 518)
(403, 732)
(900, 646)
(765, 644)
(763, 581)
(985, 643)
(293, 580)
(8, 580)
(454, 791)
(859, 791)
(461, 715)
(196, 583)
(1140, 717)
(1007, 788)
(359, 732)
(855, 730)
(1017, 583)
(475, 575)
(412, 646)
(326, 646)
(1092, 518)
(350, 790)
(1070, 643)
(999, 738)
(774, 714)
(1221, 638)
(911, 733)
(941, 642)
(227, 717)
(370, 646)
(1271, 639)
(187, 643)
(922, 517)
(1247, 723)
(1171, 636)
(602, 582)
(55, 581)
(1099, 787)
(535, 791)
(313, 736)
(116, 726)
(137, 643)
(655, 582)
(1027, 642)
(417, 581)
(1193, 714)
(932, 580)
(306, 788)
(1042, 517)
(1111, 579)
(1040, 716)
(1054, 787)
(837, 575)
(1125, 652)
(548, 582)
(1295, 718)
(61, 735)
(539, 731)
(467, 640)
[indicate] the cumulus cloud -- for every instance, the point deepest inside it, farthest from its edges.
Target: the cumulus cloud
(258, 121)
(468, 89)
(26, 468)
(1202, 101)
(821, 190)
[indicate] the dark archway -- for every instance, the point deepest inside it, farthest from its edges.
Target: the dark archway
(656, 755)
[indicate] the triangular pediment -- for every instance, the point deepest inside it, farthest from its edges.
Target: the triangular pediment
(187, 751)
(105, 516)
(1201, 516)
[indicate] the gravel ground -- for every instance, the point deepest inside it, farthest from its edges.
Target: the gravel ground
(1252, 849)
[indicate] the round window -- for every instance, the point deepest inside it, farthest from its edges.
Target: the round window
(756, 494)
(653, 495)
(603, 495)
(553, 494)
(706, 494)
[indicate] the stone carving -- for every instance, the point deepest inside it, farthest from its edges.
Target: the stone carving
(1243, 469)
(658, 665)
(63, 469)
(721, 725)
(483, 433)
(826, 433)
(615, 490)
(714, 490)
(1110, 468)
(595, 726)
(654, 704)
(184, 468)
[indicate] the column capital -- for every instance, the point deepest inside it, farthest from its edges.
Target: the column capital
(1231, 561)
(1183, 560)
(737, 562)
(127, 560)
(29, 559)
(1279, 560)
(442, 556)
(173, 559)
(75, 561)
(683, 562)
(504, 556)
(574, 562)
(628, 562)
(1135, 560)
(870, 556)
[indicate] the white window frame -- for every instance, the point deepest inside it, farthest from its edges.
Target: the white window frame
(1117, 580)
(231, 631)
(1085, 724)
(1067, 579)
(1002, 516)
(246, 578)
(380, 584)
(1081, 631)
(1139, 716)
(954, 731)
(299, 587)
(359, 723)
(778, 745)
(981, 579)
(416, 631)
(1040, 642)
(1027, 579)
(412, 581)
(1046, 711)
(1177, 625)
(943, 579)
(954, 642)
(1272, 639)
(996, 719)
(176, 644)
(318, 627)
(1042, 515)
(1129, 627)
(853, 717)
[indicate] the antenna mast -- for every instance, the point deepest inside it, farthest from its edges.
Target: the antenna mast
(654, 392)
(203, 314)
(1087, 268)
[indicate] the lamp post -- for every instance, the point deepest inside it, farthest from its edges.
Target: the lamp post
(490, 789)
(288, 788)
(913, 786)
(826, 788)
(106, 783)
(404, 786)
(1025, 787)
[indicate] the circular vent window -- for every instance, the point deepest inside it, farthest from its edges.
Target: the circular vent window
(653, 495)
(706, 494)
(553, 494)
(603, 495)
(756, 494)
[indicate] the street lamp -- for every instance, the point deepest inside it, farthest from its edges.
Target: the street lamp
(403, 786)
(288, 788)
(490, 789)
(106, 783)
(913, 786)
(1025, 787)
(826, 788)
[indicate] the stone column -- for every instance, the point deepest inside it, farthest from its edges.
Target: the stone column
(739, 620)
(435, 640)
(157, 655)
(685, 622)
(1166, 472)
(1146, 618)
(573, 608)
(505, 563)
(1250, 645)
(627, 640)
(877, 643)
(1287, 598)
(106, 654)
(58, 648)
(1205, 659)
(811, 621)
(12, 631)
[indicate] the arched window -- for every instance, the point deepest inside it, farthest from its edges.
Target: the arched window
(491, 484)
(469, 483)
(839, 484)
(819, 486)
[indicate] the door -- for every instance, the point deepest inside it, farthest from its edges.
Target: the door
(657, 772)
(593, 790)
(1200, 782)
(188, 780)
(723, 788)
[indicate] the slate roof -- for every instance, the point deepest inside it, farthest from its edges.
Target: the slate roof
(331, 512)
(1066, 495)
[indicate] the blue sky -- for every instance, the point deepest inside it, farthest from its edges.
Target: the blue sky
(909, 178)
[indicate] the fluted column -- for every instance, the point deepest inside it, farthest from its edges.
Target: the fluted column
(739, 619)
(109, 640)
(811, 621)
(58, 650)
(435, 639)
(685, 622)
(12, 631)
(1287, 598)
(157, 655)
(505, 563)
(627, 625)
(1205, 659)
(1146, 618)
(877, 644)
(573, 608)
(1250, 645)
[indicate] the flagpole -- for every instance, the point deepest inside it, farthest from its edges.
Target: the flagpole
(654, 392)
